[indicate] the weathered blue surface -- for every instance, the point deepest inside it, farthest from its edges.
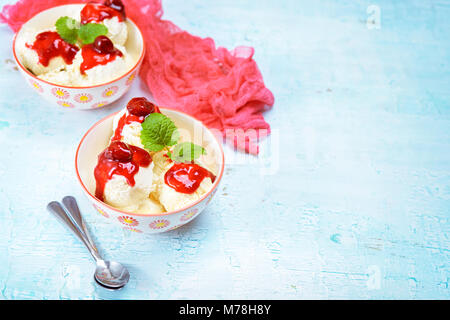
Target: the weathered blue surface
(360, 204)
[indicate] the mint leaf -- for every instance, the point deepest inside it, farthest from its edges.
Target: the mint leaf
(89, 31)
(67, 29)
(158, 131)
(186, 152)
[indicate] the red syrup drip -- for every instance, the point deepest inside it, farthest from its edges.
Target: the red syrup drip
(121, 159)
(93, 58)
(96, 12)
(124, 120)
(49, 45)
(186, 177)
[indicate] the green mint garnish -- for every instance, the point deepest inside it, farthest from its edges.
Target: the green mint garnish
(158, 132)
(89, 31)
(67, 28)
(71, 31)
(186, 152)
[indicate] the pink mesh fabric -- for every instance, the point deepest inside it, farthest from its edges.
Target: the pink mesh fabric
(224, 89)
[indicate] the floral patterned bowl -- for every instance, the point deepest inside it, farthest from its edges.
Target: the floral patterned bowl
(97, 138)
(90, 97)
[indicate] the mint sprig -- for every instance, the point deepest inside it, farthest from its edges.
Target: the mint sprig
(71, 31)
(158, 132)
(67, 28)
(89, 31)
(186, 152)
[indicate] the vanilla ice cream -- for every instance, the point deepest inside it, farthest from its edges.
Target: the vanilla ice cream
(103, 73)
(118, 193)
(169, 198)
(131, 132)
(30, 58)
(117, 30)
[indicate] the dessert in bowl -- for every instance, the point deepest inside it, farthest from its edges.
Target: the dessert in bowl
(149, 169)
(81, 56)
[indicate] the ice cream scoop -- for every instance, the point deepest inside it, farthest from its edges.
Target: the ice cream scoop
(117, 30)
(124, 175)
(44, 51)
(179, 184)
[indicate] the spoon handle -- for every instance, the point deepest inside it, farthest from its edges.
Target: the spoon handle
(58, 211)
(70, 203)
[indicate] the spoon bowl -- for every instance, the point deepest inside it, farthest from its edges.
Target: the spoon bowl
(111, 274)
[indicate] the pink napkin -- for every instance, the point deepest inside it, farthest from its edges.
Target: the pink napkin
(224, 89)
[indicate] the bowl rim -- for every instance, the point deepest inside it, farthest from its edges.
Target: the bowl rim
(203, 197)
(141, 57)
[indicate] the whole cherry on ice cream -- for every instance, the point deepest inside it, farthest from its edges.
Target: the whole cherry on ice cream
(116, 5)
(100, 52)
(119, 151)
(102, 44)
(121, 159)
(140, 107)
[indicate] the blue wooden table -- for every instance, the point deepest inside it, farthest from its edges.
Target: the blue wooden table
(350, 197)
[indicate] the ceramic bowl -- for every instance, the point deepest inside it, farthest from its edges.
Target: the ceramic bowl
(96, 140)
(90, 97)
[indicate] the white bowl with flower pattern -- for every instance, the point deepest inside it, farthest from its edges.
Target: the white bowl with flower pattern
(96, 140)
(90, 97)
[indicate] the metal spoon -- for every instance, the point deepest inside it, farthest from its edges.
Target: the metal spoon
(109, 274)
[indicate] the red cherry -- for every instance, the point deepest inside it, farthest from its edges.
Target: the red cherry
(119, 151)
(116, 5)
(140, 107)
(103, 44)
